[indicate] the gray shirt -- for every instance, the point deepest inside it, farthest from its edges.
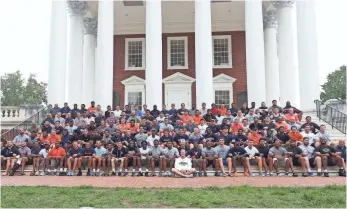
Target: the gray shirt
(209, 152)
(280, 152)
(70, 129)
(140, 138)
(307, 150)
(222, 151)
(173, 152)
(157, 151)
(111, 129)
(20, 139)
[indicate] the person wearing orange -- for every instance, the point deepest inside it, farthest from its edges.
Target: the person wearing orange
(197, 117)
(133, 127)
(254, 136)
(44, 137)
(56, 156)
(223, 110)
(122, 126)
(280, 122)
(54, 137)
(295, 134)
(291, 115)
(235, 126)
(92, 107)
(186, 117)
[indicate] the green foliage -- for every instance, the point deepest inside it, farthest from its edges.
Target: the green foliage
(211, 197)
(335, 87)
(17, 91)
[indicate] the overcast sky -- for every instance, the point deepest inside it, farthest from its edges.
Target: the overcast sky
(25, 28)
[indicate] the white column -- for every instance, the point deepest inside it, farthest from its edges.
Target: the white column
(255, 60)
(104, 72)
(154, 73)
(57, 54)
(203, 53)
(307, 53)
(288, 62)
(75, 51)
(90, 29)
(271, 59)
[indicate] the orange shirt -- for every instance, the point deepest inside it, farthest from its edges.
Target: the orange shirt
(186, 119)
(54, 138)
(91, 108)
(295, 136)
(255, 138)
(284, 124)
(292, 116)
(60, 152)
(234, 128)
(223, 111)
(42, 139)
(122, 127)
(133, 129)
(197, 119)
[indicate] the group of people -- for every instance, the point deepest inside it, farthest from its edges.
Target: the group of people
(182, 142)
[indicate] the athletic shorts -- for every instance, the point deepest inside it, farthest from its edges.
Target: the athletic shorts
(253, 162)
(209, 163)
(225, 162)
(312, 163)
(331, 162)
(296, 161)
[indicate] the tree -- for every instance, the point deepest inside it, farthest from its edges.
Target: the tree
(335, 87)
(17, 91)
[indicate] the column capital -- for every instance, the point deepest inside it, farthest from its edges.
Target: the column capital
(283, 4)
(90, 25)
(269, 18)
(77, 7)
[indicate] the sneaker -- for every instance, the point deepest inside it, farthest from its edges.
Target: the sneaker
(79, 173)
(216, 174)
(236, 174)
(251, 174)
(224, 174)
(342, 172)
(160, 174)
(37, 173)
(286, 174)
(72, 173)
(319, 174)
(140, 174)
(271, 174)
(326, 174)
(146, 173)
(133, 174)
(304, 174)
(200, 174)
(194, 174)
(113, 173)
(125, 173)
(261, 174)
(88, 173)
(93, 173)
(295, 175)
(205, 174)
(119, 173)
(42, 173)
(278, 174)
(309, 174)
(268, 174)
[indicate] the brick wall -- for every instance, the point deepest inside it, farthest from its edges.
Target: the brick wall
(238, 59)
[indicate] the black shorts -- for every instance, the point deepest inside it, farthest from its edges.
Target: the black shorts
(312, 163)
(296, 161)
(209, 163)
(330, 161)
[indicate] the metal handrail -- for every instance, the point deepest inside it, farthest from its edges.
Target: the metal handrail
(331, 116)
(37, 118)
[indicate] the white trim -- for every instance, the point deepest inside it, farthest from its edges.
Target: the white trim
(230, 65)
(127, 40)
(185, 39)
(134, 84)
(178, 78)
(223, 82)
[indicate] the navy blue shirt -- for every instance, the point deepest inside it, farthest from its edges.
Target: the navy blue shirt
(74, 151)
(35, 150)
(236, 151)
(88, 151)
(172, 111)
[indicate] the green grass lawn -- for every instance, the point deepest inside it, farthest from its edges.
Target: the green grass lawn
(242, 196)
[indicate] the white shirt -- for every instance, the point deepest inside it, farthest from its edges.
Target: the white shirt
(183, 164)
(202, 128)
(307, 150)
(252, 151)
(143, 153)
(43, 153)
(150, 140)
(311, 137)
(88, 120)
(160, 120)
(117, 113)
(219, 119)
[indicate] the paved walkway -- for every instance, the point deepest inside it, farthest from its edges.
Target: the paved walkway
(165, 182)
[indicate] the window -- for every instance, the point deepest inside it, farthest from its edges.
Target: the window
(135, 54)
(222, 97)
(222, 51)
(135, 98)
(177, 52)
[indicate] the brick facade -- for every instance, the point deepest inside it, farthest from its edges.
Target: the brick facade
(238, 60)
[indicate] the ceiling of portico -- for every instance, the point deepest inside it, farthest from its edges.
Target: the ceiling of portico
(177, 16)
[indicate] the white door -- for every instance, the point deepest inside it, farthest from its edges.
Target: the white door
(177, 97)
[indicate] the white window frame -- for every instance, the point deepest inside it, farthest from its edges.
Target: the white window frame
(230, 65)
(143, 40)
(185, 39)
(223, 87)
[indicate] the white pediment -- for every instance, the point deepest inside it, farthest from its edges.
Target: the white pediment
(178, 78)
(222, 78)
(133, 80)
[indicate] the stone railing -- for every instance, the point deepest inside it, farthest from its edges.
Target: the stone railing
(14, 114)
